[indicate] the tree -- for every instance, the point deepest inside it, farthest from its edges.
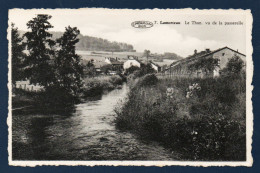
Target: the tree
(17, 55)
(90, 68)
(69, 71)
(40, 47)
(147, 69)
(106, 68)
(147, 54)
(131, 69)
(235, 65)
(205, 64)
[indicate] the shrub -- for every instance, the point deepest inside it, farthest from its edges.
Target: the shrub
(96, 86)
(210, 125)
(131, 69)
(116, 80)
(147, 80)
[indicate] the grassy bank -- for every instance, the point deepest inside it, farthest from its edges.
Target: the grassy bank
(96, 86)
(202, 119)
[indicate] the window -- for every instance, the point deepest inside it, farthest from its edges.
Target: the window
(223, 54)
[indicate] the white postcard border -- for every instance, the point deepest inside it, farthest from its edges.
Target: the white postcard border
(249, 107)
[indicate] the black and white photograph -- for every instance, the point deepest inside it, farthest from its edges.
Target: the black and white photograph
(97, 86)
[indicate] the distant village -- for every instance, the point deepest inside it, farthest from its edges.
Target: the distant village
(174, 68)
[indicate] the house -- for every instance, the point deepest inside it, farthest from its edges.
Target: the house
(132, 61)
(181, 67)
(117, 65)
(155, 66)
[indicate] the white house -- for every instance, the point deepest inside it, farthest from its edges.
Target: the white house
(132, 61)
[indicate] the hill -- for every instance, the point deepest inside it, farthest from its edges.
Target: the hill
(88, 43)
(171, 56)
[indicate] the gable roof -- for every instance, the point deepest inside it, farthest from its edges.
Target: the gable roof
(136, 60)
(154, 64)
(203, 54)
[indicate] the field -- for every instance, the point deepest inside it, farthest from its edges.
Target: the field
(100, 55)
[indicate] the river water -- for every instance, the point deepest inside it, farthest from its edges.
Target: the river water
(88, 133)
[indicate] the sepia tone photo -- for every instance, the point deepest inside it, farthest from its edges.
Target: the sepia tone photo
(130, 87)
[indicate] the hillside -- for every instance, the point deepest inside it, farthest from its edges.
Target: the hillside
(89, 43)
(171, 56)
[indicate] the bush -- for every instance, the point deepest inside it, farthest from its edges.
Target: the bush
(131, 69)
(147, 80)
(96, 86)
(209, 125)
(116, 80)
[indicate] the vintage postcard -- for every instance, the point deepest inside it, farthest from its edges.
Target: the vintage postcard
(117, 87)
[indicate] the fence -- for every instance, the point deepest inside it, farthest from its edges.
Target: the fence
(25, 85)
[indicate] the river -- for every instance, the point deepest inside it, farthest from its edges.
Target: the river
(88, 133)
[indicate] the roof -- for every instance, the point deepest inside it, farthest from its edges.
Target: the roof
(99, 64)
(154, 64)
(136, 60)
(203, 54)
(115, 62)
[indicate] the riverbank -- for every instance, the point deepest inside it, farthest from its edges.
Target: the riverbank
(202, 119)
(97, 85)
(56, 101)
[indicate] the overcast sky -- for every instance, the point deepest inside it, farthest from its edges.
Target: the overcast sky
(115, 25)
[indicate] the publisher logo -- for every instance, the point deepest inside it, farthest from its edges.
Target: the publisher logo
(142, 24)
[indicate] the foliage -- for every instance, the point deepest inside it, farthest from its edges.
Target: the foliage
(210, 125)
(147, 54)
(95, 86)
(106, 68)
(40, 47)
(147, 69)
(205, 64)
(89, 69)
(139, 72)
(234, 66)
(17, 55)
(131, 69)
(116, 80)
(147, 80)
(67, 63)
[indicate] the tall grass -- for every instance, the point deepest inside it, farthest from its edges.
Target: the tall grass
(96, 86)
(209, 125)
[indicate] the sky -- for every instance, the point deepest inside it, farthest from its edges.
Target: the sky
(115, 25)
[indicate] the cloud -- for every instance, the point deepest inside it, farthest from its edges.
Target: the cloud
(158, 39)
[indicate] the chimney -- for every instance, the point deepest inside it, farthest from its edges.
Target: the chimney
(208, 50)
(195, 51)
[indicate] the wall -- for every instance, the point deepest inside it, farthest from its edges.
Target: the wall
(155, 67)
(131, 62)
(107, 60)
(228, 54)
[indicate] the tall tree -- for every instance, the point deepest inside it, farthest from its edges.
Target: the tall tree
(17, 55)
(147, 54)
(40, 47)
(69, 70)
